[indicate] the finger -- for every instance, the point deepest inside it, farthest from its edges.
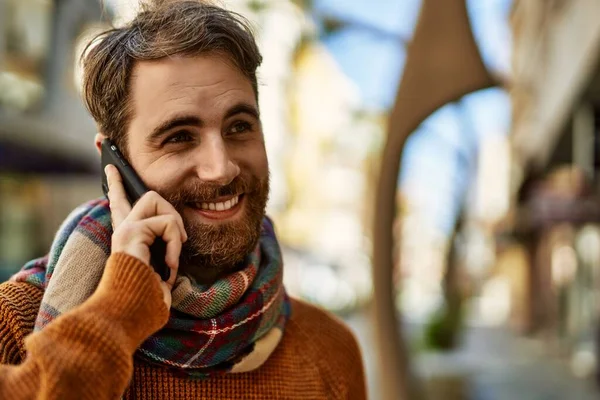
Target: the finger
(166, 226)
(172, 259)
(173, 252)
(152, 204)
(119, 205)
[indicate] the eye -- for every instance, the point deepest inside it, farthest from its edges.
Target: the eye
(179, 137)
(240, 127)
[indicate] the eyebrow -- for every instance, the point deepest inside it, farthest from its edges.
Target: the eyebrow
(191, 120)
(242, 108)
(181, 120)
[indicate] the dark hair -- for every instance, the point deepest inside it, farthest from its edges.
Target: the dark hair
(160, 29)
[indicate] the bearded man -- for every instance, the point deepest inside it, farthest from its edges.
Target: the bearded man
(176, 91)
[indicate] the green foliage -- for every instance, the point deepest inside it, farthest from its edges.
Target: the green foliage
(443, 331)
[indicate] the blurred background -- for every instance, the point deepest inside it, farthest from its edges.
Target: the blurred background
(434, 175)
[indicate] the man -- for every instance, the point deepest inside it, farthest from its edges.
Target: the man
(176, 90)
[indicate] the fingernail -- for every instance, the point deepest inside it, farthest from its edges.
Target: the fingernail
(107, 174)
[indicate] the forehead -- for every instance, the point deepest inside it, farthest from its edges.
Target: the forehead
(209, 82)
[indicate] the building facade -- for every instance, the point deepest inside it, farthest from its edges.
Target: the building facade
(556, 163)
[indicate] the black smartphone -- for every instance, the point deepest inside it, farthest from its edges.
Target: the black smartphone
(134, 189)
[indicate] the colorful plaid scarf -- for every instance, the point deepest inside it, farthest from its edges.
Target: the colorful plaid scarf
(232, 325)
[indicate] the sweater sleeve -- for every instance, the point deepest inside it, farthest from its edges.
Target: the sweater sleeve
(87, 353)
(19, 306)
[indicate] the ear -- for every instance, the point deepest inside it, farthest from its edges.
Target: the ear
(98, 141)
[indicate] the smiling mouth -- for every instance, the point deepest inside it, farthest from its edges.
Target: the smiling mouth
(218, 206)
(219, 209)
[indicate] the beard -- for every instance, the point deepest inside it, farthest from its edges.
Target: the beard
(214, 250)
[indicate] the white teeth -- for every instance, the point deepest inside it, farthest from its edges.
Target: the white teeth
(221, 206)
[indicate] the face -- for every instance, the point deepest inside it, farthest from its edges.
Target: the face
(196, 138)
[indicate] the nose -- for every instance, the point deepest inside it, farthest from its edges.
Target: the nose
(214, 163)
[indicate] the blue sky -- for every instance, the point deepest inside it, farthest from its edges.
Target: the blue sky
(370, 50)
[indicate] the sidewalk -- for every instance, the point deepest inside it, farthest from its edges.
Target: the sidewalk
(492, 364)
(501, 366)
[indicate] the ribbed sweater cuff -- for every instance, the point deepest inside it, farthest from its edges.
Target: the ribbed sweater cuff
(129, 295)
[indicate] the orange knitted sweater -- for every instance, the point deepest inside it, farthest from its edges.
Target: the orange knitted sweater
(87, 353)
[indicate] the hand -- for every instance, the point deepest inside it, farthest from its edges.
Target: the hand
(136, 228)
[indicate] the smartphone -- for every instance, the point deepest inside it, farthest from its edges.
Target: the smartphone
(134, 189)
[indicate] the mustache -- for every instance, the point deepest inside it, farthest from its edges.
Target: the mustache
(197, 191)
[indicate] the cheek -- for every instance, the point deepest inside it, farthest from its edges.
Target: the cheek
(163, 175)
(253, 159)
